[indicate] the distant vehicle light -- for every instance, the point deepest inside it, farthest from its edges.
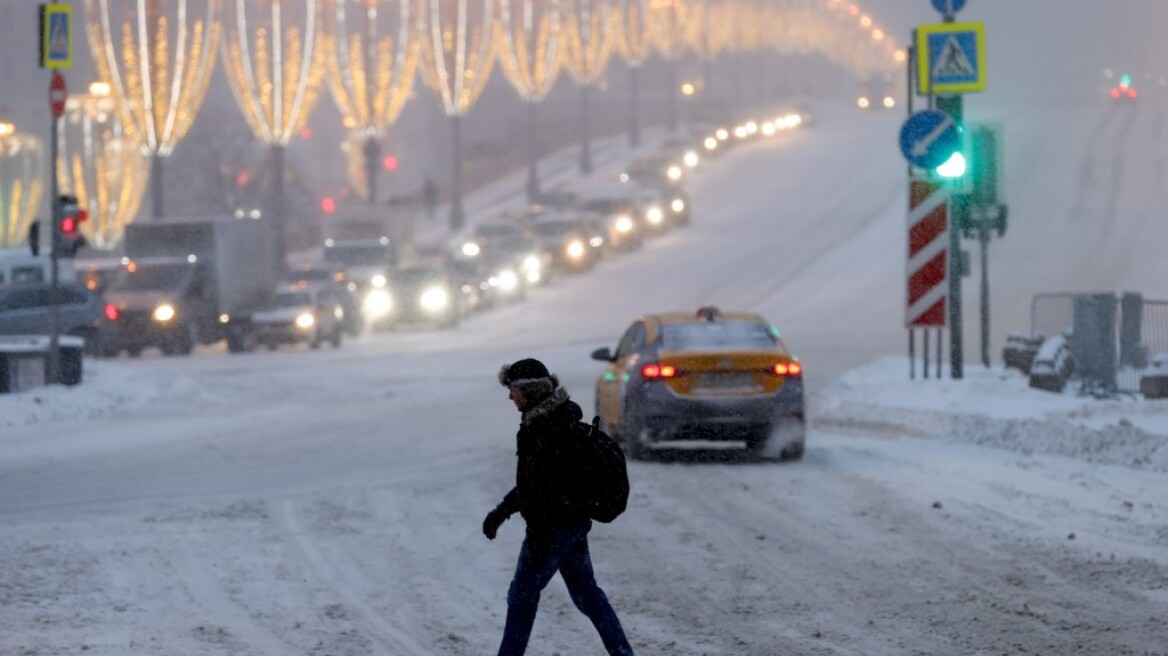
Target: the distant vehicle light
(377, 280)
(224, 318)
(711, 143)
(674, 172)
(471, 249)
(434, 299)
(751, 127)
(690, 159)
(769, 129)
(377, 304)
(624, 223)
(862, 103)
(654, 215)
(740, 132)
(678, 205)
(163, 313)
(111, 312)
(889, 102)
(305, 320)
(507, 280)
(576, 249)
(722, 134)
(531, 263)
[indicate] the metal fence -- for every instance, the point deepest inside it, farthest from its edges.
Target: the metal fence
(1112, 338)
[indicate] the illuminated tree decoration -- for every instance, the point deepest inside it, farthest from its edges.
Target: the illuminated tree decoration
(101, 164)
(530, 56)
(458, 51)
(157, 56)
(373, 53)
(670, 23)
(591, 39)
(634, 42)
(21, 162)
(274, 56)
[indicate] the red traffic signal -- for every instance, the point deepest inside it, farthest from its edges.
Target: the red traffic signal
(68, 238)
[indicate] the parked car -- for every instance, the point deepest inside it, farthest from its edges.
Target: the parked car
(300, 313)
(705, 375)
(25, 310)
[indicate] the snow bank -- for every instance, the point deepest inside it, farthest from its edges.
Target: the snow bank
(997, 408)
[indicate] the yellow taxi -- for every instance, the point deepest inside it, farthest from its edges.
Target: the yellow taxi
(705, 375)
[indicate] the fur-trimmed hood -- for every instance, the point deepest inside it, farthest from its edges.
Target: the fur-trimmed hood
(544, 408)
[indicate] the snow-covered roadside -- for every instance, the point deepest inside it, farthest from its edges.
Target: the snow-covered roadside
(996, 408)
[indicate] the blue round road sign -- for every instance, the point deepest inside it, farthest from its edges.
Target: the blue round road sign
(948, 7)
(928, 138)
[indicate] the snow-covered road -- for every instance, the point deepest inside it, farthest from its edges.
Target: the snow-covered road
(330, 502)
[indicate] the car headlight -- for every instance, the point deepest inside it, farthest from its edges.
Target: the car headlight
(434, 299)
(377, 280)
(655, 215)
(164, 313)
(305, 320)
(531, 263)
(678, 205)
(711, 143)
(722, 134)
(596, 242)
(674, 172)
(691, 158)
(624, 223)
(505, 280)
(377, 304)
(575, 249)
(471, 249)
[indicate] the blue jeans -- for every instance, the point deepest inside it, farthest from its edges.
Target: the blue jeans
(542, 555)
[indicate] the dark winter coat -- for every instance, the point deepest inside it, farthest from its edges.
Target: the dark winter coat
(548, 478)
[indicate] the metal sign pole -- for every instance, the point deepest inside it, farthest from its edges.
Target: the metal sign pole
(54, 367)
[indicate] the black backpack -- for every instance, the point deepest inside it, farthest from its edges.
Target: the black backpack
(607, 480)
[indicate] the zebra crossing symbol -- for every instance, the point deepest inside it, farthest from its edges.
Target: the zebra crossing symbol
(951, 58)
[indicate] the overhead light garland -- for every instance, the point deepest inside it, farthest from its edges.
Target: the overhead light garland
(157, 57)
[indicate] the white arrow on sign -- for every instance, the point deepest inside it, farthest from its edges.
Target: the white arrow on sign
(921, 147)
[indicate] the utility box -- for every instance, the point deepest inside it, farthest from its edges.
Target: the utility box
(1093, 342)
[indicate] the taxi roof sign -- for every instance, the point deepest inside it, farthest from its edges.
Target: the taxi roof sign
(56, 35)
(950, 58)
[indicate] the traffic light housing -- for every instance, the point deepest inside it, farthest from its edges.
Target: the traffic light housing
(67, 237)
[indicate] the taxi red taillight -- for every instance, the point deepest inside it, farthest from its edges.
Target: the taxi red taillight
(111, 312)
(788, 369)
(657, 371)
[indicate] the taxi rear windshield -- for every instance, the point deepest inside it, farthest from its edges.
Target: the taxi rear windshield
(716, 335)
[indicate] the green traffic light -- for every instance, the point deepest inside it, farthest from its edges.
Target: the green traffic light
(954, 167)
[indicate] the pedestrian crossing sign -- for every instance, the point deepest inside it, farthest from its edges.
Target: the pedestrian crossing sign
(56, 35)
(950, 58)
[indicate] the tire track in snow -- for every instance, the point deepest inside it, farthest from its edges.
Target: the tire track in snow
(392, 638)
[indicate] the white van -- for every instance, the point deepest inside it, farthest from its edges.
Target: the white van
(17, 265)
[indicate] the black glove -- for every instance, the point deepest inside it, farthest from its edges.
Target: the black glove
(493, 521)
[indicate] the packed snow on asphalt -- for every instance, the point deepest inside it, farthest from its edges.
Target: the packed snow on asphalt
(330, 502)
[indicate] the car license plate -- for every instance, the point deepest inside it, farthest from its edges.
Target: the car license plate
(724, 382)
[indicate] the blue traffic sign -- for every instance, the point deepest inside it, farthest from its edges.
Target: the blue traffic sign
(928, 138)
(948, 7)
